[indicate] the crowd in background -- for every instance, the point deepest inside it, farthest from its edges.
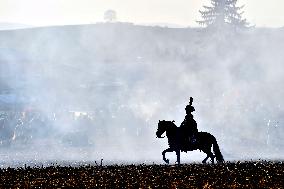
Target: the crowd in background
(67, 127)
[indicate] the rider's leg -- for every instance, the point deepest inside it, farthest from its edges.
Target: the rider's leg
(193, 138)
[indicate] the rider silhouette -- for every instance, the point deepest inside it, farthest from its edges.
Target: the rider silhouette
(189, 126)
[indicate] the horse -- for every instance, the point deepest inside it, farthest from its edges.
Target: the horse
(175, 136)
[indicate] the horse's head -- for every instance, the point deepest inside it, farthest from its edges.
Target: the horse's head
(162, 127)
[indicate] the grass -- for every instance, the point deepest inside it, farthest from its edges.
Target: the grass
(260, 174)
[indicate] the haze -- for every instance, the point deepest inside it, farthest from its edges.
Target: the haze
(182, 13)
(86, 92)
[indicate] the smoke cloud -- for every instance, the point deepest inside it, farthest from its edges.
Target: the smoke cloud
(91, 92)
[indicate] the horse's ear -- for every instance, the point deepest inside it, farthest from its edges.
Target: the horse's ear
(173, 121)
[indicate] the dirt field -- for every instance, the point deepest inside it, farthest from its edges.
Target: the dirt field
(229, 175)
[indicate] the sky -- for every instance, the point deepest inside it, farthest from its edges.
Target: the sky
(261, 13)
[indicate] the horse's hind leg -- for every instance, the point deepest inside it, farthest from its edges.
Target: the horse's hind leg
(164, 154)
(209, 155)
(212, 157)
(204, 161)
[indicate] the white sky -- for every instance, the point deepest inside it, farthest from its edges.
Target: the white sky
(182, 12)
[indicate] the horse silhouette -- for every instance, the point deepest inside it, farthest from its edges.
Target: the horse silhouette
(176, 143)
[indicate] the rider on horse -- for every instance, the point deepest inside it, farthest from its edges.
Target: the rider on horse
(189, 126)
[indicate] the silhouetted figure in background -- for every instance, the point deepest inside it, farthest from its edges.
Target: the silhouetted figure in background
(189, 127)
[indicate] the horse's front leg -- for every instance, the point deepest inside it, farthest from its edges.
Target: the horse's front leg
(164, 154)
(178, 156)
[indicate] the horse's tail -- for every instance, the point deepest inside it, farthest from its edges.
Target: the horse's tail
(217, 152)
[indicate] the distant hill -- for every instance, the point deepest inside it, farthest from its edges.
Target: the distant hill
(127, 52)
(101, 42)
(13, 26)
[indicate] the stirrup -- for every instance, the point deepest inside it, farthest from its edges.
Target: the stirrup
(193, 140)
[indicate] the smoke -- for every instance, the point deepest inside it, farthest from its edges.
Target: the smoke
(97, 91)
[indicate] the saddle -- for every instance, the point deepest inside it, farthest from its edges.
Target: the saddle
(189, 144)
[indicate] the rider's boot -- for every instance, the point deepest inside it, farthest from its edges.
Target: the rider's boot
(193, 139)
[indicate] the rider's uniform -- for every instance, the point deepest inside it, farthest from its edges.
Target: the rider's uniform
(189, 126)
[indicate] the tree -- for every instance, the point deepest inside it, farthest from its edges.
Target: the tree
(110, 16)
(223, 13)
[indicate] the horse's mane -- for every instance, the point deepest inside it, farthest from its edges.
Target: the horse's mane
(170, 124)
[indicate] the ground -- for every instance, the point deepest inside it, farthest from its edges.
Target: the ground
(260, 174)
